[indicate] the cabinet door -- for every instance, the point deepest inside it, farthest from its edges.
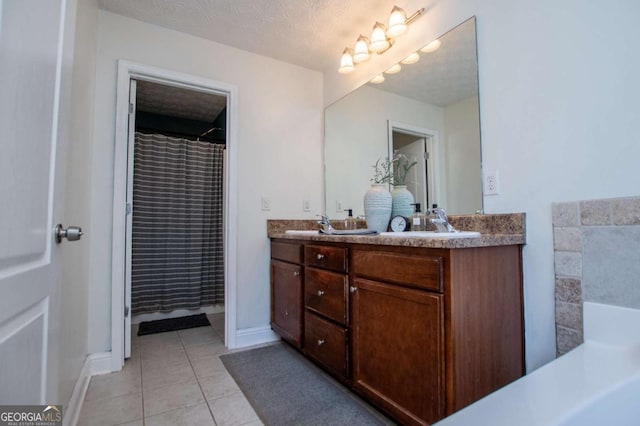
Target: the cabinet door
(398, 350)
(286, 301)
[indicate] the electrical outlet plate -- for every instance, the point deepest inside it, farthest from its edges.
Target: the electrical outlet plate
(491, 183)
(339, 208)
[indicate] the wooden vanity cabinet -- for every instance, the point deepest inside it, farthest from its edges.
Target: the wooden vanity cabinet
(430, 337)
(287, 291)
(419, 332)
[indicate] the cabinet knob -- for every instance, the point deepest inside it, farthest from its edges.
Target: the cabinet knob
(286, 313)
(320, 256)
(320, 342)
(353, 289)
(320, 292)
(296, 273)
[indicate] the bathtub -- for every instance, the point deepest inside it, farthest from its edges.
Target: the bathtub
(597, 383)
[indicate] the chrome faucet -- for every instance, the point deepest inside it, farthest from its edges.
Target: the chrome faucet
(441, 221)
(325, 223)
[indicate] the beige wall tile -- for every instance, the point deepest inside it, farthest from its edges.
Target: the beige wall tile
(626, 211)
(567, 239)
(567, 338)
(569, 315)
(568, 264)
(595, 212)
(565, 214)
(569, 290)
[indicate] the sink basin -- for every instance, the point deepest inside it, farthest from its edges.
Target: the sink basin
(429, 234)
(298, 232)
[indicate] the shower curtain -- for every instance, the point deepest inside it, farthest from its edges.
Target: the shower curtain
(177, 247)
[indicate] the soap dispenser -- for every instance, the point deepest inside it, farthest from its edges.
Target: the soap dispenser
(350, 222)
(418, 219)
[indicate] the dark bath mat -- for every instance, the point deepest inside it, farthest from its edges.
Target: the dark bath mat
(284, 388)
(172, 324)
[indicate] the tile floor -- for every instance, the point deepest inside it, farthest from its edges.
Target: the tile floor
(173, 378)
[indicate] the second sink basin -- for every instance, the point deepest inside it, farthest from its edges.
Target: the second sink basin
(430, 234)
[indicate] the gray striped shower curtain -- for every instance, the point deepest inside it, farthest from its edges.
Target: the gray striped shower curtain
(177, 257)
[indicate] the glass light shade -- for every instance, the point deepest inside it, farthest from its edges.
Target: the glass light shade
(361, 51)
(393, 69)
(377, 79)
(431, 47)
(397, 22)
(346, 62)
(411, 59)
(379, 40)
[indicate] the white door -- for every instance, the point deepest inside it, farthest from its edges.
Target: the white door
(417, 177)
(129, 220)
(31, 74)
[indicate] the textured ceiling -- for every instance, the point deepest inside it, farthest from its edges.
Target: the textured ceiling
(312, 34)
(177, 102)
(309, 33)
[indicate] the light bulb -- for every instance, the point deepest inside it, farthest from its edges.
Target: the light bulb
(411, 59)
(346, 62)
(397, 22)
(431, 47)
(379, 40)
(379, 78)
(393, 69)
(361, 51)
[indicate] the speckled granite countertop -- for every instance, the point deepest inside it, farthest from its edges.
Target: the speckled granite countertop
(495, 230)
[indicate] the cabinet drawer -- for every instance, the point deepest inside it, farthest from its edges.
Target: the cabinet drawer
(334, 258)
(326, 343)
(422, 271)
(326, 293)
(289, 252)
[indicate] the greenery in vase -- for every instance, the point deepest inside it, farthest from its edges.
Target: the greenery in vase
(393, 171)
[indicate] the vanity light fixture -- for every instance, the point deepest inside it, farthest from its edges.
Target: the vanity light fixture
(382, 38)
(393, 69)
(431, 47)
(361, 51)
(346, 62)
(379, 78)
(411, 59)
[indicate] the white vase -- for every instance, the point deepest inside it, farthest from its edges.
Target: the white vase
(402, 200)
(377, 207)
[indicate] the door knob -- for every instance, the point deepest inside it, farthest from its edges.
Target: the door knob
(72, 233)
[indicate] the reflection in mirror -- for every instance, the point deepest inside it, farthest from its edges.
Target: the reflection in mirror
(429, 108)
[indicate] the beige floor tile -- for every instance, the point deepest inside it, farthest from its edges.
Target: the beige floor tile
(196, 415)
(158, 338)
(198, 336)
(111, 411)
(206, 350)
(232, 410)
(218, 385)
(164, 358)
(163, 399)
(125, 382)
(133, 423)
(167, 376)
(207, 366)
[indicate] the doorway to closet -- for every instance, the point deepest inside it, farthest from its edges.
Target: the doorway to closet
(175, 180)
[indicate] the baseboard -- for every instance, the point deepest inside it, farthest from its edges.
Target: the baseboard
(255, 336)
(94, 364)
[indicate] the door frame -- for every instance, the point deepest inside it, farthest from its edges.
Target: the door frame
(128, 70)
(435, 180)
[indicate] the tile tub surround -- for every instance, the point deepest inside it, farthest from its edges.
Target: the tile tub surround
(496, 229)
(597, 259)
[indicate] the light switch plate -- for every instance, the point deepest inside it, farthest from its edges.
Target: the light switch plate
(266, 204)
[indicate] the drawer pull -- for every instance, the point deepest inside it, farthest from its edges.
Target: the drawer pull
(320, 256)
(320, 342)
(353, 289)
(296, 273)
(286, 313)
(320, 293)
